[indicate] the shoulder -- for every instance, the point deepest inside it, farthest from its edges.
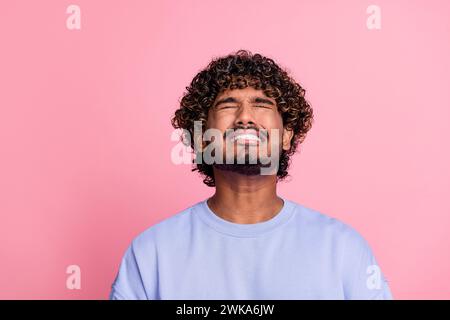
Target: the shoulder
(169, 228)
(325, 227)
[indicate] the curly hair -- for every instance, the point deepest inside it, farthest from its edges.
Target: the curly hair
(237, 71)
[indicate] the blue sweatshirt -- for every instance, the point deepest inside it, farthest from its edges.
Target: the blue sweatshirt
(299, 253)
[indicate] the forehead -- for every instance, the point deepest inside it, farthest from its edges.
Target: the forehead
(243, 94)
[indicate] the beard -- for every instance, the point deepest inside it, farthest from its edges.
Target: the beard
(246, 168)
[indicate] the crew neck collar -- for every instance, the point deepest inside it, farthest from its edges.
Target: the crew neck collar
(244, 230)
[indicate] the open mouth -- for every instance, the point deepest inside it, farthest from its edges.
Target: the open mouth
(246, 138)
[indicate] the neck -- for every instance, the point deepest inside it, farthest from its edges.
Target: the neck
(245, 199)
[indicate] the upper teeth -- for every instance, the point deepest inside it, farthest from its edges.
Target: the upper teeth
(246, 136)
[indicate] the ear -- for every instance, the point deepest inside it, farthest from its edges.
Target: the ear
(198, 138)
(287, 138)
(198, 141)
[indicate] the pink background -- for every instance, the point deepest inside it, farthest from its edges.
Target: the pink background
(85, 129)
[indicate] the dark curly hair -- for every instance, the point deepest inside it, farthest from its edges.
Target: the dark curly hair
(237, 71)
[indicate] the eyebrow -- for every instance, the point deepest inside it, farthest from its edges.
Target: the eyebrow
(254, 100)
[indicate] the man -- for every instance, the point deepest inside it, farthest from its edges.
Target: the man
(245, 241)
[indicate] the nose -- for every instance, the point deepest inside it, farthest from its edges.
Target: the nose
(245, 117)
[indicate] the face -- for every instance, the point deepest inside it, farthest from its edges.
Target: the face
(240, 114)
